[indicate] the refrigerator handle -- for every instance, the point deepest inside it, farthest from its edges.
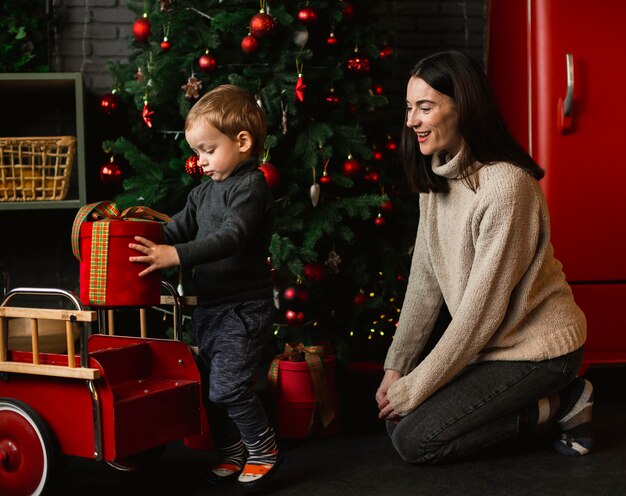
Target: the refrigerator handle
(564, 116)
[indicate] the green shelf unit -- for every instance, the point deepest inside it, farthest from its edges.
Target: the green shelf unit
(46, 104)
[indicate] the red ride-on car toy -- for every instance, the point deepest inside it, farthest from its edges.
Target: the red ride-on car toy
(119, 400)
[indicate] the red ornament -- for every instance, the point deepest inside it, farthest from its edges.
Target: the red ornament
(360, 298)
(146, 114)
(332, 98)
(358, 64)
(110, 174)
(141, 29)
(331, 40)
(378, 155)
(386, 206)
(262, 24)
(207, 62)
(391, 145)
(315, 271)
(307, 16)
(300, 87)
(378, 89)
(249, 44)
(272, 176)
(192, 167)
(351, 167)
(348, 10)
(386, 51)
(296, 295)
(108, 103)
(165, 44)
(294, 318)
(371, 177)
(379, 221)
(325, 179)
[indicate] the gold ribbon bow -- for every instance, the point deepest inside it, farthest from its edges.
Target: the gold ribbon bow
(106, 211)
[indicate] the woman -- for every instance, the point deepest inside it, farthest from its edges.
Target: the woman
(508, 358)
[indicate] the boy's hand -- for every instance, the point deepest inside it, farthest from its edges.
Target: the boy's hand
(156, 256)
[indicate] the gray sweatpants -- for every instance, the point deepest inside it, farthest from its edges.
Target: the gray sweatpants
(231, 339)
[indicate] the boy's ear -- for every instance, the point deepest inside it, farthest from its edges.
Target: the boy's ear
(245, 141)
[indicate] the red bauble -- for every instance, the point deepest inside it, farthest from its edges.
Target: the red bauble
(315, 271)
(294, 318)
(192, 167)
(272, 176)
(391, 145)
(378, 89)
(141, 29)
(331, 40)
(348, 10)
(360, 299)
(262, 24)
(249, 44)
(325, 179)
(378, 155)
(295, 296)
(307, 16)
(379, 221)
(110, 174)
(332, 99)
(386, 206)
(165, 44)
(351, 168)
(207, 62)
(108, 103)
(358, 64)
(386, 51)
(371, 177)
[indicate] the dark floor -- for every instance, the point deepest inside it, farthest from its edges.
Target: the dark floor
(366, 464)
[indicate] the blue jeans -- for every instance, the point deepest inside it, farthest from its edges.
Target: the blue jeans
(484, 404)
(231, 339)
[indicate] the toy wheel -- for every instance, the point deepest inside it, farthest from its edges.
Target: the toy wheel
(138, 461)
(26, 453)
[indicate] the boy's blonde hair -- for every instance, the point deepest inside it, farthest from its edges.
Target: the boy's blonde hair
(230, 110)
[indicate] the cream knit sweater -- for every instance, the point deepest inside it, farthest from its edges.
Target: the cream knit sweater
(487, 254)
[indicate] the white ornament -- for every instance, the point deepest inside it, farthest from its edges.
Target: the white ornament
(314, 193)
(276, 295)
(301, 37)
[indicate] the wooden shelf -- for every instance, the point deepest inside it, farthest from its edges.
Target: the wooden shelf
(46, 104)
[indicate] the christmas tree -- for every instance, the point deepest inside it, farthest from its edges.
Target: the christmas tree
(342, 240)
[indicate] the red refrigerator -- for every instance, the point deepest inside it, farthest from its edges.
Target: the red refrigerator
(558, 69)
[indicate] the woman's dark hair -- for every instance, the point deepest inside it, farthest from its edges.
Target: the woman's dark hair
(486, 137)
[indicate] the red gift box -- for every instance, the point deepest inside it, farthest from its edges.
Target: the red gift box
(107, 277)
(303, 381)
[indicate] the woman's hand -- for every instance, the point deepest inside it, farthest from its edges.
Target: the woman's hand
(156, 256)
(386, 410)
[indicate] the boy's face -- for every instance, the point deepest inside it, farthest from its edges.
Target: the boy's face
(218, 154)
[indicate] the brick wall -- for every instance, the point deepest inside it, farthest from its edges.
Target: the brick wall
(89, 33)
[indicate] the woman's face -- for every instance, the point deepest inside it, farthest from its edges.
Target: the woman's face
(433, 118)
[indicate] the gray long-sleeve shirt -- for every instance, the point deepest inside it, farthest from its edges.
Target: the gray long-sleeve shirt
(223, 233)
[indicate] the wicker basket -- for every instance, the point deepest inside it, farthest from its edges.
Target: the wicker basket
(36, 168)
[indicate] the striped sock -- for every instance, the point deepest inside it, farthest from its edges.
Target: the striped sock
(262, 461)
(574, 419)
(230, 464)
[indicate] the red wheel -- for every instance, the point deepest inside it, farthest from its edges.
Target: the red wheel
(25, 450)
